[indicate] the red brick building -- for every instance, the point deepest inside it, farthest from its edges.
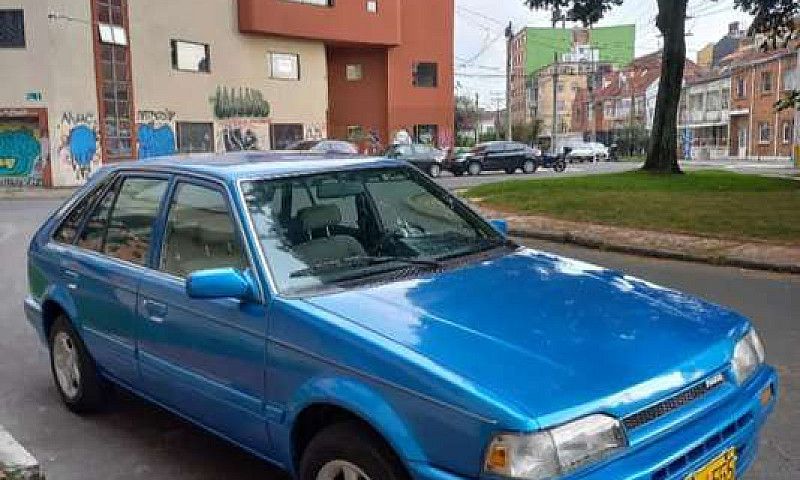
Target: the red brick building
(758, 80)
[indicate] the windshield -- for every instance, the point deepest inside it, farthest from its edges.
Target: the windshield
(338, 229)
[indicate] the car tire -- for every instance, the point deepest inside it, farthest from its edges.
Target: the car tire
(511, 171)
(474, 168)
(458, 173)
(75, 373)
(559, 166)
(529, 166)
(349, 447)
(435, 170)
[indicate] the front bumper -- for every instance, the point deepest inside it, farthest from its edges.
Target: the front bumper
(679, 452)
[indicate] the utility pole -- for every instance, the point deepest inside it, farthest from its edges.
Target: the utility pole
(592, 86)
(554, 122)
(509, 38)
(631, 78)
(477, 119)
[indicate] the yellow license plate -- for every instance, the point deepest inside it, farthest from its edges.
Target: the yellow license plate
(721, 468)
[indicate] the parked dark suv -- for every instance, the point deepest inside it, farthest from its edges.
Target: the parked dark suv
(506, 156)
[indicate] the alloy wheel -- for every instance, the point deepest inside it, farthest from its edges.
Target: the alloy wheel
(341, 470)
(66, 364)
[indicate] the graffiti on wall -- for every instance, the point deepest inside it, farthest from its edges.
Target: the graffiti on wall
(21, 155)
(156, 141)
(241, 102)
(243, 134)
(78, 146)
(156, 135)
(314, 131)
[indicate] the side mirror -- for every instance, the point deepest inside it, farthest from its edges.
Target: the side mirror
(220, 283)
(500, 225)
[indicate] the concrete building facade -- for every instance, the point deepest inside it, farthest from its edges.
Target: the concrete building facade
(101, 81)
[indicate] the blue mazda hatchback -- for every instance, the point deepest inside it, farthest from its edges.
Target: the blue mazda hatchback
(348, 319)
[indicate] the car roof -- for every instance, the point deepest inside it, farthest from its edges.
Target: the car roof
(256, 164)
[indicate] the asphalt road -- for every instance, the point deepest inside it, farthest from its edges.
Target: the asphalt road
(451, 182)
(135, 440)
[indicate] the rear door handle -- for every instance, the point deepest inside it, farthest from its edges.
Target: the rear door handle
(72, 278)
(155, 311)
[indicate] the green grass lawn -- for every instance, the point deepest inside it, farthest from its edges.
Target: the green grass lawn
(710, 203)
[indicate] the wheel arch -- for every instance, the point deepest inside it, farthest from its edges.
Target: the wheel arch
(349, 400)
(55, 303)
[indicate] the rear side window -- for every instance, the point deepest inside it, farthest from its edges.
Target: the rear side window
(69, 227)
(131, 222)
(93, 235)
(200, 233)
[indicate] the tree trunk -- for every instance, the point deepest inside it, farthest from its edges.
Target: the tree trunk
(662, 153)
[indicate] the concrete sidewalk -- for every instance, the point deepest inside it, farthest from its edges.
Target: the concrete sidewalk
(758, 256)
(35, 193)
(15, 462)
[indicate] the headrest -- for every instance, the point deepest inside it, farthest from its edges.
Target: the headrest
(319, 216)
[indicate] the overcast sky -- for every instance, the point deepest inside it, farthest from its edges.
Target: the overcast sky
(480, 49)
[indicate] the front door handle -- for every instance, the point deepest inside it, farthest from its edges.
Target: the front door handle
(155, 311)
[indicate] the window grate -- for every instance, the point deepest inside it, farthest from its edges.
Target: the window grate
(12, 28)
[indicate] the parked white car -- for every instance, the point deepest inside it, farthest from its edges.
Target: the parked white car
(587, 151)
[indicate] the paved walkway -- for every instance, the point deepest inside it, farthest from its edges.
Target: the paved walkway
(761, 256)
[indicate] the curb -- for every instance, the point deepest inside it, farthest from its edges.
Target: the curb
(569, 238)
(36, 194)
(15, 462)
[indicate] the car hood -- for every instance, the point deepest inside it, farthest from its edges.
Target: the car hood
(554, 337)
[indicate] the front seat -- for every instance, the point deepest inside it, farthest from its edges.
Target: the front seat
(322, 246)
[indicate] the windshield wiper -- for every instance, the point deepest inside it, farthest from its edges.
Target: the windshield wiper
(333, 265)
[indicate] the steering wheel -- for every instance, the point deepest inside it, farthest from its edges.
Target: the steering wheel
(404, 230)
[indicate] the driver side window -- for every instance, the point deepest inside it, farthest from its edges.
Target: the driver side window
(200, 233)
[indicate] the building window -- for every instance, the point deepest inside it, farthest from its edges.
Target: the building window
(766, 82)
(195, 137)
(284, 134)
(764, 133)
(791, 79)
(372, 6)
(426, 134)
(741, 91)
(190, 56)
(788, 131)
(425, 74)
(355, 132)
(561, 106)
(12, 28)
(284, 66)
(354, 72)
(116, 110)
(321, 3)
(725, 98)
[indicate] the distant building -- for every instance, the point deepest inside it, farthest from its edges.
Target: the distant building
(625, 99)
(758, 80)
(91, 82)
(533, 50)
(704, 116)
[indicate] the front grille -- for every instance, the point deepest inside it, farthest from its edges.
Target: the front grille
(658, 410)
(703, 449)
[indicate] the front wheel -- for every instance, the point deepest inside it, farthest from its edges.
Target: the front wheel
(474, 168)
(529, 166)
(348, 451)
(559, 166)
(76, 376)
(435, 170)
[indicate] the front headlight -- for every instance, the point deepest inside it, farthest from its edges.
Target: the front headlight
(747, 356)
(554, 452)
